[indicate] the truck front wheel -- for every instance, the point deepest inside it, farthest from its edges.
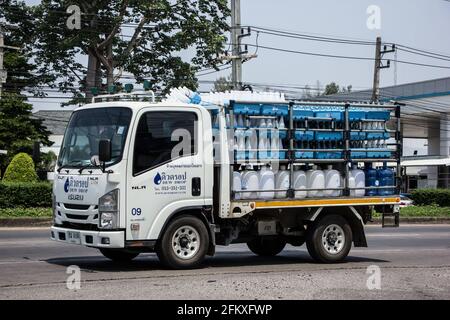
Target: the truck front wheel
(329, 239)
(184, 243)
(266, 246)
(118, 255)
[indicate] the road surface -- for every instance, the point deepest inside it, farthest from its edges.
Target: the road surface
(414, 263)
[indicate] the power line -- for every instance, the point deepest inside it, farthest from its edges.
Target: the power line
(309, 37)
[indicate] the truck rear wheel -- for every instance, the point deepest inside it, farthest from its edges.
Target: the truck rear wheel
(329, 239)
(265, 246)
(118, 255)
(184, 243)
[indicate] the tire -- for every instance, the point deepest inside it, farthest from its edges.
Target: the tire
(267, 247)
(184, 243)
(329, 240)
(118, 255)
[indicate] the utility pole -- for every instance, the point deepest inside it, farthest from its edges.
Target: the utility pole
(378, 66)
(237, 56)
(236, 74)
(3, 73)
(376, 71)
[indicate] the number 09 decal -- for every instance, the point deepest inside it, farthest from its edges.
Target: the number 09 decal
(136, 211)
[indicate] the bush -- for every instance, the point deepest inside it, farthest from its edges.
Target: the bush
(26, 212)
(21, 169)
(439, 197)
(14, 195)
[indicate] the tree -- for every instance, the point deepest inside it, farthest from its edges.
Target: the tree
(331, 88)
(223, 84)
(18, 130)
(23, 72)
(347, 89)
(21, 169)
(163, 41)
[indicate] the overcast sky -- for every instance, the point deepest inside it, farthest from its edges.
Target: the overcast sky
(423, 24)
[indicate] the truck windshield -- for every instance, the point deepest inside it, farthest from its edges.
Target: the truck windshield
(86, 128)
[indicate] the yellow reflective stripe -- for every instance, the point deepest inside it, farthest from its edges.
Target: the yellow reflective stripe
(324, 202)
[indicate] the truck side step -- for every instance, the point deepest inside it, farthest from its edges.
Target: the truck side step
(390, 219)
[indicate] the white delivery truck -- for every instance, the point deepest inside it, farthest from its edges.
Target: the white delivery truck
(183, 175)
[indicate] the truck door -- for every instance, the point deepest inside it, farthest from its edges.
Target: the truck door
(166, 169)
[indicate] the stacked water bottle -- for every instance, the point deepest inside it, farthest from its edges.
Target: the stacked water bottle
(259, 135)
(266, 184)
(261, 131)
(310, 182)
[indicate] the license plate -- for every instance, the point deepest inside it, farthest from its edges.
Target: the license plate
(74, 237)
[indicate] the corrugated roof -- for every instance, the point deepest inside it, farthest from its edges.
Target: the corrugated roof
(426, 162)
(413, 90)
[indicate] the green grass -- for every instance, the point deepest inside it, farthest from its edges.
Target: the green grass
(413, 211)
(423, 211)
(26, 212)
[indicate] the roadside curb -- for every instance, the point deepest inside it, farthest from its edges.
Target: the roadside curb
(25, 222)
(417, 220)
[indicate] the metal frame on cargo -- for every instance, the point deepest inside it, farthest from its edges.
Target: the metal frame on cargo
(246, 206)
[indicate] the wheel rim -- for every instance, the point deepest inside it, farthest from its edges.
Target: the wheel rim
(333, 239)
(186, 242)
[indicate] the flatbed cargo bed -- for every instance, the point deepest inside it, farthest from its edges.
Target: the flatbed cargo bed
(325, 202)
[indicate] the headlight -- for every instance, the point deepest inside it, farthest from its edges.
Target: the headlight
(108, 210)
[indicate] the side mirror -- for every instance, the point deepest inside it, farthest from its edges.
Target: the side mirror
(104, 150)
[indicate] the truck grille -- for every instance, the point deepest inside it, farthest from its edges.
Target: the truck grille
(76, 206)
(79, 226)
(77, 217)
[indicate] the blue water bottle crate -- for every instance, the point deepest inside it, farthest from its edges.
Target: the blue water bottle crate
(250, 155)
(281, 155)
(276, 155)
(302, 135)
(282, 134)
(301, 112)
(335, 115)
(328, 155)
(253, 109)
(328, 136)
(378, 135)
(239, 154)
(355, 154)
(354, 115)
(378, 115)
(275, 110)
(379, 154)
(304, 155)
(264, 154)
(355, 136)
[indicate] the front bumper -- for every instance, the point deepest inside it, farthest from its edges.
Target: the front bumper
(98, 239)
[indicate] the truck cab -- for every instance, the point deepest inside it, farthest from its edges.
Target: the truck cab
(125, 168)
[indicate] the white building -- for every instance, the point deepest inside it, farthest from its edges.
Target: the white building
(425, 129)
(56, 122)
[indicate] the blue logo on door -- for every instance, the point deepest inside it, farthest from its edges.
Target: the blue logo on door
(66, 185)
(157, 180)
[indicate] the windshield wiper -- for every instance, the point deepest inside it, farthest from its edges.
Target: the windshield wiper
(90, 166)
(67, 165)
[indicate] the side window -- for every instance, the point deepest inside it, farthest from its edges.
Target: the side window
(162, 137)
